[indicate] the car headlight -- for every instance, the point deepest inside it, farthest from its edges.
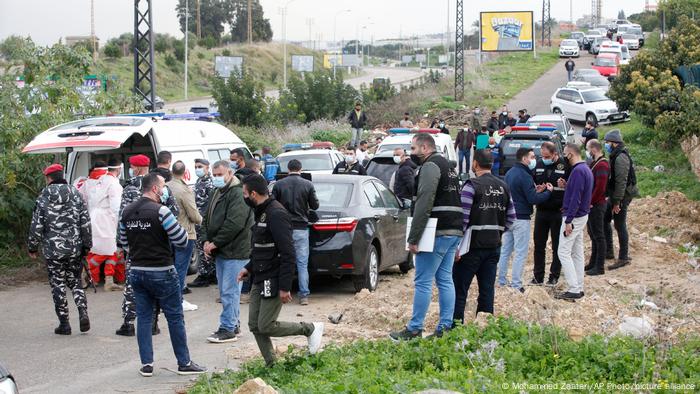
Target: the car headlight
(602, 111)
(8, 386)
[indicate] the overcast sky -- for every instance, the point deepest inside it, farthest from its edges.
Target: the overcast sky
(48, 20)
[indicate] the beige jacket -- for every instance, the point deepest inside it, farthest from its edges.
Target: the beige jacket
(189, 214)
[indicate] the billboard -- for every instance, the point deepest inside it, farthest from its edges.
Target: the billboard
(351, 60)
(406, 59)
(442, 59)
(421, 58)
(507, 31)
(330, 59)
(225, 65)
(303, 63)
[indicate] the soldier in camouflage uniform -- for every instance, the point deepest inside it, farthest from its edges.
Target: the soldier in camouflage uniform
(61, 225)
(132, 192)
(202, 190)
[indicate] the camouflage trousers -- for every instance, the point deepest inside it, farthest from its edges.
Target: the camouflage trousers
(206, 267)
(66, 273)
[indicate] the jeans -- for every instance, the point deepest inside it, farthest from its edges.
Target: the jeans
(301, 247)
(183, 257)
(569, 74)
(621, 228)
(546, 223)
(229, 291)
(571, 254)
(515, 239)
(464, 155)
(435, 265)
(356, 137)
(163, 287)
(596, 224)
(483, 264)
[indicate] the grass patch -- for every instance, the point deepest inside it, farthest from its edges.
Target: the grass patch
(648, 152)
(468, 359)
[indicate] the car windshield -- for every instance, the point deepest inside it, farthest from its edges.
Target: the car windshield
(569, 43)
(391, 147)
(599, 81)
(604, 62)
(382, 169)
(636, 31)
(587, 71)
(592, 96)
(103, 122)
(511, 146)
(576, 35)
(309, 162)
(333, 195)
(629, 37)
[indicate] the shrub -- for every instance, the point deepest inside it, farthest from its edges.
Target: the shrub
(320, 95)
(171, 62)
(201, 55)
(179, 47)
(226, 52)
(208, 42)
(112, 50)
(241, 99)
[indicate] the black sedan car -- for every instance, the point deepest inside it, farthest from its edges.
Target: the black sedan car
(382, 166)
(360, 231)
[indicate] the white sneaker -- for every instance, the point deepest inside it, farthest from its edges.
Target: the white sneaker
(315, 338)
(187, 307)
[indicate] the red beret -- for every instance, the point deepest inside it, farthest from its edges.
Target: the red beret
(139, 161)
(53, 168)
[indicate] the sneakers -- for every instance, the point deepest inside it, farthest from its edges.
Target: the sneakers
(315, 338)
(84, 320)
(111, 286)
(146, 371)
(552, 281)
(188, 307)
(222, 336)
(405, 335)
(200, 281)
(619, 264)
(126, 330)
(589, 267)
(191, 369)
(304, 301)
(595, 272)
(535, 282)
(63, 327)
(568, 296)
(245, 298)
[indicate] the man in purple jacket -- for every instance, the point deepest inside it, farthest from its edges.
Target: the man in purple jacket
(577, 205)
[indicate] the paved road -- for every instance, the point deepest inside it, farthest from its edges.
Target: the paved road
(398, 76)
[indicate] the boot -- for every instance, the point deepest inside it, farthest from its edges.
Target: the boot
(111, 286)
(84, 320)
(127, 329)
(155, 330)
(63, 327)
(589, 266)
(199, 281)
(619, 264)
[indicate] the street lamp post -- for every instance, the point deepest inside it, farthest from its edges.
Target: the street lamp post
(187, 34)
(335, 20)
(284, 40)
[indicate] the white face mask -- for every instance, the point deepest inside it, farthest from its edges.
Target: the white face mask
(397, 159)
(349, 158)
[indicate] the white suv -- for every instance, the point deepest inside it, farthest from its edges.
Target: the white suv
(587, 104)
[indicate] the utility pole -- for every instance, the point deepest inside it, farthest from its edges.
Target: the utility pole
(571, 13)
(92, 30)
(250, 23)
(459, 51)
(447, 33)
(199, 21)
(546, 25)
(187, 35)
(144, 66)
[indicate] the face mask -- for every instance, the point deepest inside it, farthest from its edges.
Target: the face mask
(442, 125)
(349, 158)
(397, 159)
(249, 202)
(547, 162)
(504, 113)
(234, 165)
(608, 147)
(589, 156)
(165, 194)
(131, 172)
(218, 182)
(532, 165)
(416, 159)
(199, 172)
(477, 111)
(492, 146)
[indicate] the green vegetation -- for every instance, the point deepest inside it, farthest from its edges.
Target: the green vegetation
(648, 151)
(468, 359)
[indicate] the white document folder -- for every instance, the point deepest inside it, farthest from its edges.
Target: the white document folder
(466, 241)
(427, 240)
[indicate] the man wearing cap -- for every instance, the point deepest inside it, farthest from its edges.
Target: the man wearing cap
(102, 193)
(206, 269)
(61, 225)
(357, 119)
(622, 188)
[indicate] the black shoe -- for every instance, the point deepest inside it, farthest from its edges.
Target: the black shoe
(154, 329)
(405, 335)
(609, 256)
(191, 369)
(595, 272)
(199, 281)
(522, 290)
(589, 267)
(222, 336)
(63, 328)
(552, 281)
(535, 282)
(619, 264)
(438, 333)
(146, 370)
(126, 330)
(186, 290)
(568, 296)
(237, 330)
(84, 320)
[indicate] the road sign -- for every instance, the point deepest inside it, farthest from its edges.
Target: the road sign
(442, 59)
(421, 58)
(351, 60)
(303, 63)
(507, 31)
(331, 59)
(225, 65)
(406, 59)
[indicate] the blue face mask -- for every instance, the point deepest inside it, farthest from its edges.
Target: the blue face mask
(234, 165)
(166, 194)
(532, 165)
(131, 172)
(547, 162)
(199, 172)
(218, 182)
(608, 147)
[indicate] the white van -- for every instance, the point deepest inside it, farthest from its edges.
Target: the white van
(88, 140)
(443, 143)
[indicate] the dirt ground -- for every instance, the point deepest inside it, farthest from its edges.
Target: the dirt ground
(659, 274)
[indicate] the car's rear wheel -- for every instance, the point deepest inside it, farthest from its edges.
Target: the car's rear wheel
(590, 117)
(370, 277)
(409, 264)
(556, 110)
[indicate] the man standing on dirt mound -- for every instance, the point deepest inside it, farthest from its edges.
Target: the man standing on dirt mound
(622, 188)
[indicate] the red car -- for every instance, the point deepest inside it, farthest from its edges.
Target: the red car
(607, 64)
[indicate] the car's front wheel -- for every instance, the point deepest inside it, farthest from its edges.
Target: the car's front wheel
(370, 277)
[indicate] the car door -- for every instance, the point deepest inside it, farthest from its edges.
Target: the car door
(396, 234)
(379, 215)
(577, 107)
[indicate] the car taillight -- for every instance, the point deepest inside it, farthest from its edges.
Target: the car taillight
(342, 224)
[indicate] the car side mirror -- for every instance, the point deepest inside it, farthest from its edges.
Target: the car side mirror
(579, 101)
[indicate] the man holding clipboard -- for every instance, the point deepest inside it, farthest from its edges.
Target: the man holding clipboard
(433, 236)
(488, 212)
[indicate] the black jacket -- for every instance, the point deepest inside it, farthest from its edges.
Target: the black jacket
(404, 181)
(511, 122)
(502, 121)
(164, 172)
(355, 169)
(551, 174)
(569, 65)
(243, 172)
(298, 196)
(273, 255)
(355, 122)
(492, 126)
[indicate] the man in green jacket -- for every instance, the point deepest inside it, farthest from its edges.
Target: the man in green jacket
(226, 230)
